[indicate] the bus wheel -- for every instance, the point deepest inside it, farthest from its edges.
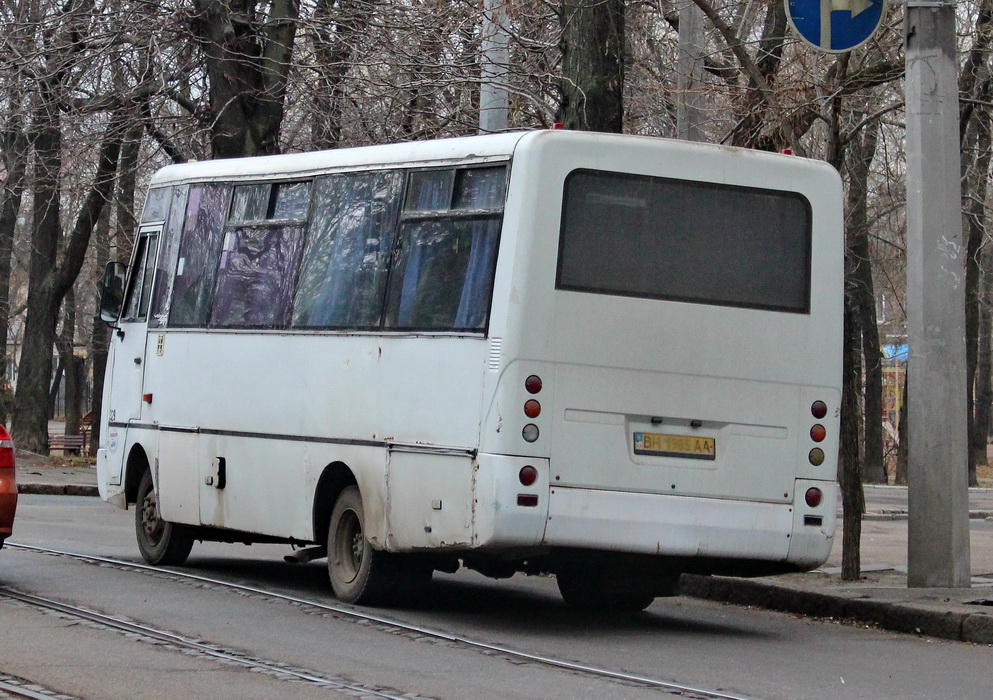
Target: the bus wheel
(159, 541)
(359, 573)
(592, 594)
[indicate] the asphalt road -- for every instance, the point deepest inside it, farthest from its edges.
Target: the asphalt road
(754, 653)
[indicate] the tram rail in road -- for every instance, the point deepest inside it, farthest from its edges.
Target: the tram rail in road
(280, 670)
(13, 688)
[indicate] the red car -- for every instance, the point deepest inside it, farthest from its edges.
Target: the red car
(8, 485)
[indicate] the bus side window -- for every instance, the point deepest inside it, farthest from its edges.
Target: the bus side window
(263, 241)
(142, 272)
(199, 251)
(255, 281)
(165, 274)
(343, 276)
(442, 277)
(156, 205)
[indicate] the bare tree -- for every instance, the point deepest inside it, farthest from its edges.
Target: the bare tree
(593, 65)
(247, 46)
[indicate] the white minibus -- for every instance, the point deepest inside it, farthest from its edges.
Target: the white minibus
(611, 358)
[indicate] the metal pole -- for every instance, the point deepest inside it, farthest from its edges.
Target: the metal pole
(689, 76)
(938, 548)
(494, 54)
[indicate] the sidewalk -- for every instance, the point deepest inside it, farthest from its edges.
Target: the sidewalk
(880, 598)
(39, 475)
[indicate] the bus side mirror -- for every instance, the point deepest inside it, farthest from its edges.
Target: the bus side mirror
(112, 291)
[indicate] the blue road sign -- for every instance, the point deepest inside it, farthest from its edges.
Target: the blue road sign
(835, 26)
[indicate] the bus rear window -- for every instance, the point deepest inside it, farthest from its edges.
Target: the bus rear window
(680, 240)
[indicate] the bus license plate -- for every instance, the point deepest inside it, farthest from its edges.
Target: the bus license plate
(664, 445)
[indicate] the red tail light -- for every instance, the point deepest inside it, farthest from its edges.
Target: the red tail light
(8, 484)
(6, 449)
(813, 497)
(528, 475)
(818, 432)
(533, 384)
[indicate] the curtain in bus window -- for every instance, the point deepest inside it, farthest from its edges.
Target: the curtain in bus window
(685, 241)
(255, 280)
(474, 303)
(480, 188)
(430, 190)
(443, 277)
(343, 276)
(199, 250)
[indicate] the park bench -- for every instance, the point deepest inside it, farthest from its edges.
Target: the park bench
(68, 444)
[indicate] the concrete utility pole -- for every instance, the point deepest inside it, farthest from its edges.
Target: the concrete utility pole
(689, 78)
(938, 550)
(493, 95)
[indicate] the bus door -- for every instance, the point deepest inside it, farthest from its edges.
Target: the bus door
(126, 363)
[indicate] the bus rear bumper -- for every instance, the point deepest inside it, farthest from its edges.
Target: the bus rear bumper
(688, 527)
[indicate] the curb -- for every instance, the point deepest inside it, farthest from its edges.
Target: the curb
(58, 489)
(902, 515)
(976, 628)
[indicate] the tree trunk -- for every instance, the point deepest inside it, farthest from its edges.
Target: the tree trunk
(593, 65)
(74, 367)
(70, 365)
(852, 496)
(49, 282)
(860, 154)
(975, 138)
(754, 115)
(849, 459)
(31, 402)
(984, 373)
(248, 67)
(56, 385)
(902, 452)
(13, 147)
(978, 141)
(333, 50)
(99, 334)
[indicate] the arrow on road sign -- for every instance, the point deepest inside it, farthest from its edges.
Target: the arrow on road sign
(835, 25)
(856, 7)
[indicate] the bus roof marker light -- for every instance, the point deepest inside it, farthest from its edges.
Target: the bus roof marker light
(532, 409)
(818, 409)
(533, 384)
(530, 432)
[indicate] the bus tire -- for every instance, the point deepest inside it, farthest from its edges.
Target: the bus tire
(359, 573)
(159, 541)
(591, 594)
